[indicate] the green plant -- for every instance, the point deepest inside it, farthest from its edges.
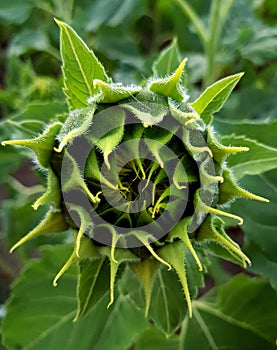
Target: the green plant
(149, 310)
(145, 189)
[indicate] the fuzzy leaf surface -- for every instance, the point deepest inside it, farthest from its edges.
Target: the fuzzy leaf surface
(80, 67)
(214, 97)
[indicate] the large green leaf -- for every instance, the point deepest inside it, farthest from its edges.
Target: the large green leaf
(40, 316)
(116, 328)
(30, 40)
(260, 158)
(242, 316)
(260, 224)
(111, 13)
(93, 283)
(154, 339)
(35, 307)
(263, 131)
(168, 304)
(214, 97)
(118, 44)
(80, 68)
(262, 47)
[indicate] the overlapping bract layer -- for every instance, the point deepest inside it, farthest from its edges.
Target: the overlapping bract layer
(171, 178)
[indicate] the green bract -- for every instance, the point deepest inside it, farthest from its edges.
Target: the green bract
(152, 181)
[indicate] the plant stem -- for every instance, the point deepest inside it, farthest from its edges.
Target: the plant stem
(195, 19)
(225, 8)
(215, 23)
(209, 37)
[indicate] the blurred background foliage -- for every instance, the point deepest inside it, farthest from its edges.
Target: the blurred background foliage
(127, 36)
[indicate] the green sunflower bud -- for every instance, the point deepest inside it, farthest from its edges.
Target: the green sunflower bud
(137, 173)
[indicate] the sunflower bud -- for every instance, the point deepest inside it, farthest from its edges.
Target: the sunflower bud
(137, 173)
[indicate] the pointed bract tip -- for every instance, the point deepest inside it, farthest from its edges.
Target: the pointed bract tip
(190, 310)
(106, 160)
(59, 149)
(35, 206)
(182, 66)
(12, 249)
(59, 23)
(110, 303)
(98, 83)
(55, 282)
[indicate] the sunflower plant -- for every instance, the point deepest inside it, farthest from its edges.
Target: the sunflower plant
(138, 177)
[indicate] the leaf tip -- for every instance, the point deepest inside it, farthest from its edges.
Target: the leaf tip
(59, 23)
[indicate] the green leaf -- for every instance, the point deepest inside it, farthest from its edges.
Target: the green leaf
(35, 307)
(260, 225)
(154, 339)
(243, 316)
(168, 305)
(110, 13)
(93, 282)
(40, 316)
(229, 189)
(99, 329)
(214, 97)
(80, 68)
(260, 158)
(30, 40)
(30, 121)
(251, 129)
(262, 47)
(15, 12)
(118, 44)
(168, 60)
